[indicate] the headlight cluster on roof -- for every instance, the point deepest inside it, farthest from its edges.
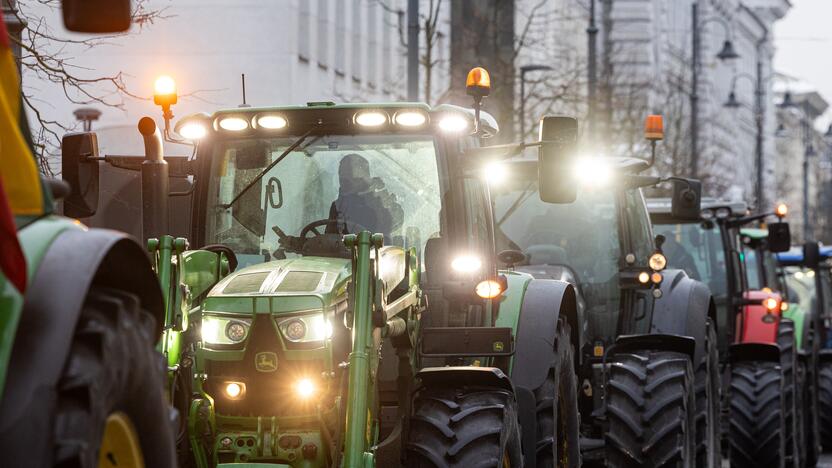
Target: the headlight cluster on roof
(196, 127)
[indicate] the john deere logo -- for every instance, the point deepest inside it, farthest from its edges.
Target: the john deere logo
(498, 346)
(265, 362)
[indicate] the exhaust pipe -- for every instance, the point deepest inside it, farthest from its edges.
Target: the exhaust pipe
(155, 182)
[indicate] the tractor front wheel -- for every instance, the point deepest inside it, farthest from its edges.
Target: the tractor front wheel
(651, 410)
(463, 427)
(757, 432)
(794, 407)
(708, 444)
(558, 425)
(825, 404)
(111, 409)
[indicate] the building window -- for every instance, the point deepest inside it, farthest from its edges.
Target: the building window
(323, 33)
(304, 30)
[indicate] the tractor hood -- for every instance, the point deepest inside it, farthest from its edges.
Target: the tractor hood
(322, 279)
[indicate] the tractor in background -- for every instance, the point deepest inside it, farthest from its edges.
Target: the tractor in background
(806, 273)
(343, 306)
(762, 419)
(647, 359)
(80, 381)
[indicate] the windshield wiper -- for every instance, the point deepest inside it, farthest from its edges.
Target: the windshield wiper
(274, 163)
(524, 195)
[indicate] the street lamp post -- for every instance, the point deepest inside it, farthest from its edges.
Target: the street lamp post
(808, 151)
(592, 71)
(759, 115)
(523, 70)
(726, 53)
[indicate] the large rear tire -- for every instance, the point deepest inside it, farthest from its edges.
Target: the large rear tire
(112, 373)
(756, 435)
(558, 421)
(463, 427)
(708, 388)
(651, 410)
(825, 404)
(793, 404)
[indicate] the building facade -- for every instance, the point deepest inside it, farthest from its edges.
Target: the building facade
(291, 52)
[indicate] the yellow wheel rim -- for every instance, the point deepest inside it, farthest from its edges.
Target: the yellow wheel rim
(120, 445)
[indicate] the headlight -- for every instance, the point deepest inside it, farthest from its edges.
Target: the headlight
(305, 388)
(270, 122)
(410, 118)
(224, 330)
(657, 261)
(192, 130)
(233, 124)
(495, 173)
(305, 328)
(593, 171)
(466, 264)
(453, 123)
(234, 390)
(770, 304)
(370, 118)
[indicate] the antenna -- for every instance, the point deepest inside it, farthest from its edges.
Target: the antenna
(243, 77)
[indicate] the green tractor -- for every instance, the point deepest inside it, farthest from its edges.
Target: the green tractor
(647, 357)
(80, 381)
(297, 338)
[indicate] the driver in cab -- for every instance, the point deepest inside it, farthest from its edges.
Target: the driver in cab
(363, 201)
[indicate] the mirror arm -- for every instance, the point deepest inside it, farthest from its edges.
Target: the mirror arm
(749, 219)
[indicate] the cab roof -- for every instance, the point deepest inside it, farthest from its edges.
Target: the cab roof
(794, 256)
(660, 208)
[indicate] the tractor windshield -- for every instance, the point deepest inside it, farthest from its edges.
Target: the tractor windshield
(697, 250)
(327, 185)
(582, 236)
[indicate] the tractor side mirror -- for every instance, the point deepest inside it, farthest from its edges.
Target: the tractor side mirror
(779, 237)
(687, 199)
(436, 260)
(811, 253)
(97, 16)
(79, 169)
(556, 159)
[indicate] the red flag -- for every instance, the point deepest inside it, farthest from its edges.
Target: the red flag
(12, 261)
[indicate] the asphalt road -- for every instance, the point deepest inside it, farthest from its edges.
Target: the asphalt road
(825, 461)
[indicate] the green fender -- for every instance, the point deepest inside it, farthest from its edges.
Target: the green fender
(35, 239)
(800, 317)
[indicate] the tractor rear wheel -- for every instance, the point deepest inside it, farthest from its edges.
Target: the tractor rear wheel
(756, 435)
(558, 424)
(793, 407)
(463, 427)
(825, 404)
(708, 387)
(113, 379)
(651, 410)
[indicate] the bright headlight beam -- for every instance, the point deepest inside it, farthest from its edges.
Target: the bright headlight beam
(233, 124)
(305, 388)
(271, 122)
(193, 131)
(494, 173)
(370, 119)
(466, 264)
(410, 119)
(453, 123)
(593, 171)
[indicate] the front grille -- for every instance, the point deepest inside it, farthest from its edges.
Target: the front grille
(267, 393)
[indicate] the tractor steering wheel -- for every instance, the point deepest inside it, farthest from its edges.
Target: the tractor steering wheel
(311, 227)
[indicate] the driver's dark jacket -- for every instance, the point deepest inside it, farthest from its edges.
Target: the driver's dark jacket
(375, 210)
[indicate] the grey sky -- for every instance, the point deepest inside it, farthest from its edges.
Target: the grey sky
(804, 46)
